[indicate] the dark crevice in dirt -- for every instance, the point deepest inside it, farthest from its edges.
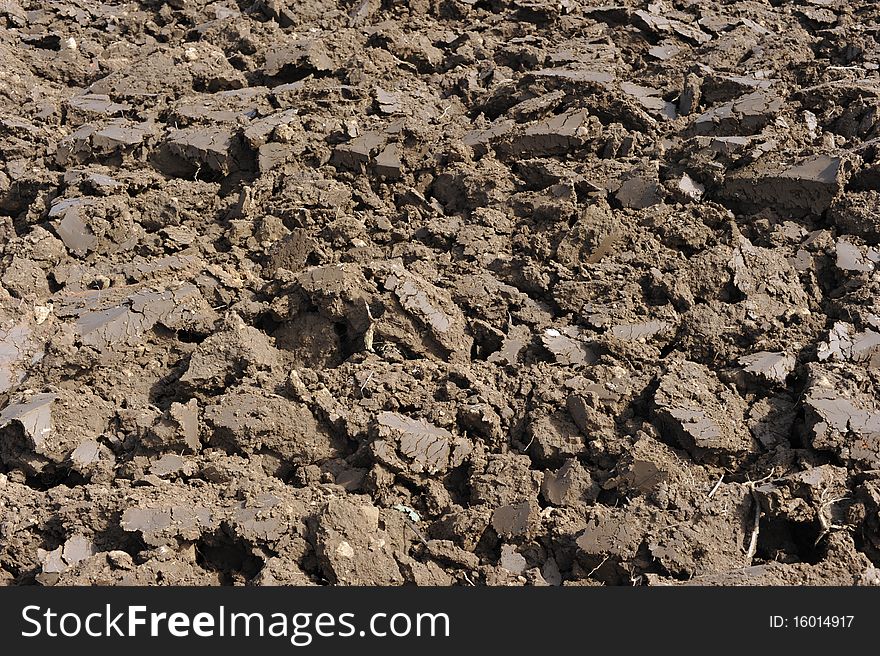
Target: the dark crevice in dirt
(190, 337)
(787, 541)
(231, 558)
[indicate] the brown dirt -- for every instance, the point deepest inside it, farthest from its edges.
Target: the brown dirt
(505, 292)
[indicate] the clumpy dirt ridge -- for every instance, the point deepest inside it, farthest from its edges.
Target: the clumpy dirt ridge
(440, 292)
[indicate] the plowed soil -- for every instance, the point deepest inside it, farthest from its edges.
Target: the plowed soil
(440, 292)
